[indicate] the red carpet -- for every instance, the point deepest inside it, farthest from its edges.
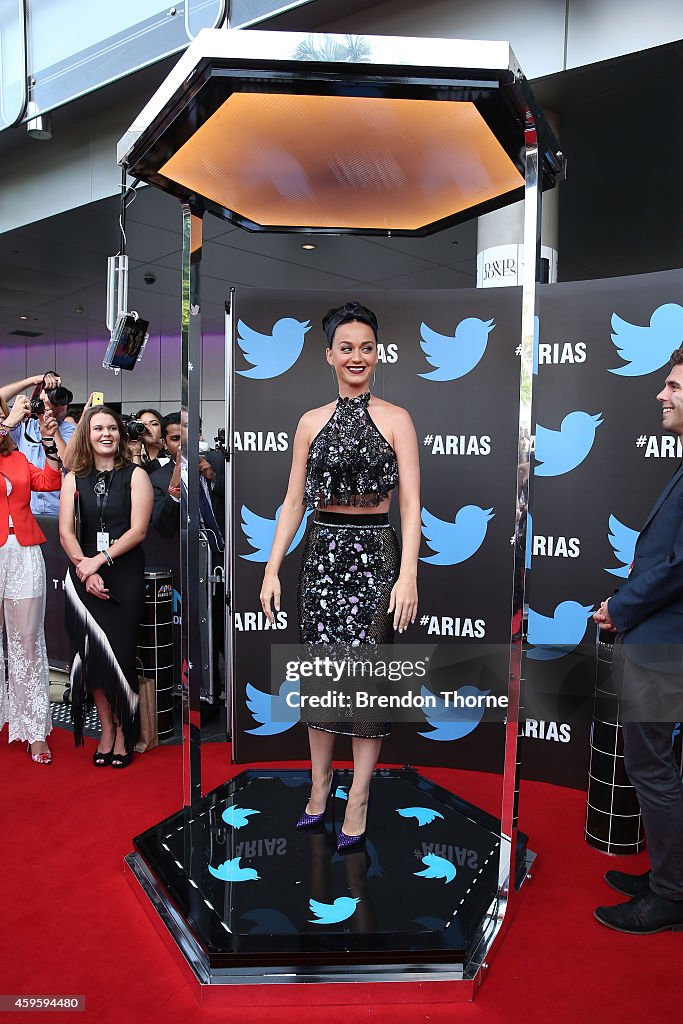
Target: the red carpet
(71, 925)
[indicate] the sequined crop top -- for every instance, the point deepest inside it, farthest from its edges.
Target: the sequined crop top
(349, 461)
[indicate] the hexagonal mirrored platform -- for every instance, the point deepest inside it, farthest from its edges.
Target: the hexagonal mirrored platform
(253, 891)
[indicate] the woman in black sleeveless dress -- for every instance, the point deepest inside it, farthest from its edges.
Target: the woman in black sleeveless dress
(356, 586)
(105, 584)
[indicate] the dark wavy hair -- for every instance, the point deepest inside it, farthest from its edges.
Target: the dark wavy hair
(349, 313)
(83, 460)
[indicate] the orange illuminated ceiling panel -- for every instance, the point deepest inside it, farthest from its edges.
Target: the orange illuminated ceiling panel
(344, 161)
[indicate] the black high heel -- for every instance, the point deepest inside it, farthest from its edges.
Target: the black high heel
(102, 758)
(121, 760)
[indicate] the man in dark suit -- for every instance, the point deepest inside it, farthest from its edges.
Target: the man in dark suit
(167, 484)
(647, 614)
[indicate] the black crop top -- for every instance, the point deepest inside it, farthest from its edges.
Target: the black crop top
(349, 460)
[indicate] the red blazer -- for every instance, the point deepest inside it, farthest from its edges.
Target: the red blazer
(24, 478)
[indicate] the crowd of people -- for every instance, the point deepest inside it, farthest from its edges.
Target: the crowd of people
(106, 482)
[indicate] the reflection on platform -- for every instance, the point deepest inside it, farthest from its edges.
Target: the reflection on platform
(254, 891)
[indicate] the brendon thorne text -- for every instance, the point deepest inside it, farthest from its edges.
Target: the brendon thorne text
(398, 682)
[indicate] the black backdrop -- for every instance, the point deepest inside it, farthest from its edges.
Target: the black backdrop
(467, 432)
(472, 598)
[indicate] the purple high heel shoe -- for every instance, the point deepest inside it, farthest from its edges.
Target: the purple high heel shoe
(345, 842)
(308, 820)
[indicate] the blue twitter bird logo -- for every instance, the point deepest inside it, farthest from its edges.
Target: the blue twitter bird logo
(452, 723)
(457, 541)
(236, 816)
(557, 635)
(437, 867)
(260, 532)
(230, 871)
(623, 541)
(332, 913)
(423, 815)
(455, 356)
(645, 349)
(275, 353)
(559, 451)
(273, 714)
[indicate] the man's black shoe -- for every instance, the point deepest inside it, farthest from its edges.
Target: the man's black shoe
(628, 885)
(643, 915)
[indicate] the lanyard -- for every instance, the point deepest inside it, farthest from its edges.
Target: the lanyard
(101, 490)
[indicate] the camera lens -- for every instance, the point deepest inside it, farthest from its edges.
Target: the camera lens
(135, 429)
(60, 396)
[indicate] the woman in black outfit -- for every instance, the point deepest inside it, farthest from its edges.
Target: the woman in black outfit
(105, 584)
(356, 587)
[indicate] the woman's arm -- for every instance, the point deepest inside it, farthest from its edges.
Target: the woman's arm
(289, 520)
(403, 601)
(141, 499)
(67, 534)
(49, 478)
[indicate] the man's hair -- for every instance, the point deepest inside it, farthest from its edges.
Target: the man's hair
(171, 420)
(677, 356)
(154, 412)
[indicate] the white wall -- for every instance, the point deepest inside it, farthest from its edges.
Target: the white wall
(155, 381)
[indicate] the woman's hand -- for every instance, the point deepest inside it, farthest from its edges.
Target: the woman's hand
(48, 424)
(136, 451)
(87, 566)
(403, 602)
(270, 592)
(95, 586)
(21, 410)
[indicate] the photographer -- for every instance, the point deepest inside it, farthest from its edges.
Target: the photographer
(34, 437)
(148, 449)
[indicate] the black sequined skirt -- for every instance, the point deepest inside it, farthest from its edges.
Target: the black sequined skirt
(349, 566)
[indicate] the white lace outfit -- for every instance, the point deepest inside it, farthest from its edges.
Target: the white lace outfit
(22, 607)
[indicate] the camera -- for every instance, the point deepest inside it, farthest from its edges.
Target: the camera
(56, 396)
(134, 428)
(220, 439)
(60, 396)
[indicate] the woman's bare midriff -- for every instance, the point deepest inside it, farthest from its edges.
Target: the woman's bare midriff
(359, 510)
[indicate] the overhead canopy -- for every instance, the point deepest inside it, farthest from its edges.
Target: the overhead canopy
(283, 131)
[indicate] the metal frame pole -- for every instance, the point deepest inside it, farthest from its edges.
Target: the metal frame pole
(191, 660)
(530, 273)
(229, 621)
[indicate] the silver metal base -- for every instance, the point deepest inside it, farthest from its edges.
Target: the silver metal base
(297, 985)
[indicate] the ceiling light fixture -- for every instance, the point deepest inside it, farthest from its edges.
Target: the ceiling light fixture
(309, 245)
(401, 136)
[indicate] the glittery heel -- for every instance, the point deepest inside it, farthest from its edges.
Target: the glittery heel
(308, 820)
(345, 842)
